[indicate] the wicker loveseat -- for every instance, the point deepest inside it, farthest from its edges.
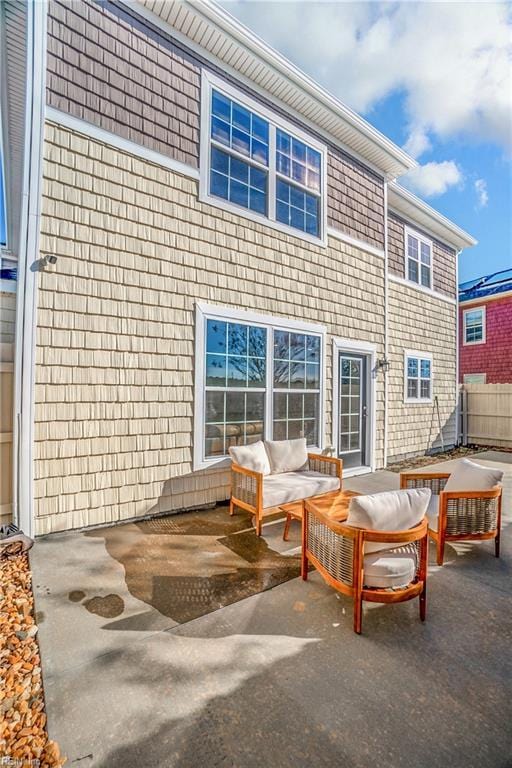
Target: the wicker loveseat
(266, 475)
(465, 504)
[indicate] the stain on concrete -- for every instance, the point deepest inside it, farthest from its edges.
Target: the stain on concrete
(107, 607)
(76, 595)
(190, 564)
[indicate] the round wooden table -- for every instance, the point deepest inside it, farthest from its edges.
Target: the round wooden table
(334, 505)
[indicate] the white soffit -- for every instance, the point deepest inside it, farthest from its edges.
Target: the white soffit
(410, 207)
(218, 33)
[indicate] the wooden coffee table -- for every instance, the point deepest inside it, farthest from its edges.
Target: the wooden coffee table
(334, 505)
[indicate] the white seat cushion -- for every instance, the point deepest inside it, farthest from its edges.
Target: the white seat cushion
(287, 455)
(388, 511)
(253, 456)
(468, 476)
(433, 512)
(292, 486)
(390, 569)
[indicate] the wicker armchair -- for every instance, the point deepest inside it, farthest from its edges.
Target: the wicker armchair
(247, 486)
(460, 515)
(337, 552)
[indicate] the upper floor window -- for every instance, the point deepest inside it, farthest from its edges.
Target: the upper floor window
(418, 258)
(257, 378)
(254, 163)
(474, 326)
(418, 377)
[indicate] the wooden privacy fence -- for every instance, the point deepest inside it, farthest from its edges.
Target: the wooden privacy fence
(486, 414)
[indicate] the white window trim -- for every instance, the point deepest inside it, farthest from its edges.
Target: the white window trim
(421, 356)
(482, 381)
(409, 231)
(215, 311)
(210, 81)
(481, 309)
(361, 348)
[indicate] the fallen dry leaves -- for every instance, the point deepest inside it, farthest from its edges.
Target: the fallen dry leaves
(23, 735)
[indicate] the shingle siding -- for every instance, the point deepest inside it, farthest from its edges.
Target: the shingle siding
(425, 324)
(115, 71)
(444, 258)
(115, 338)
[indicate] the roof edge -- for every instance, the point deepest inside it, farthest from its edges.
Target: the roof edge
(408, 204)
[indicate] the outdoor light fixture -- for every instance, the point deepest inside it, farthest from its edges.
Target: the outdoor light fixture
(383, 364)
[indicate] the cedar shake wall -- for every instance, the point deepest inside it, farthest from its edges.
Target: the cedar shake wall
(422, 323)
(444, 258)
(114, 379)
(494, 356)
(117, 72)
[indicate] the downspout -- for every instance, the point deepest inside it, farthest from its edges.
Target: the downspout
(26, 304)
(386, 345)
(457, 396)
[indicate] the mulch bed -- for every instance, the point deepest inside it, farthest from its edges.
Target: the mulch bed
(434, 458)
(23, 736)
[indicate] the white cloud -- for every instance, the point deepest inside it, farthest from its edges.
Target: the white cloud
(433, 179)
(482, 194)
(451, 60)
(417, 143)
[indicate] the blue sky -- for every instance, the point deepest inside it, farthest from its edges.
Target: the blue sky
(433, 76)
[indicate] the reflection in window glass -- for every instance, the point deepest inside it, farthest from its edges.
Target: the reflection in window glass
(419, 378)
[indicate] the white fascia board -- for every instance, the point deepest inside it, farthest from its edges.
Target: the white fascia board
(411, 208)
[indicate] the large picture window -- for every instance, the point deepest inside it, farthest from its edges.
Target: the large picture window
(418, 377)
(256, 380)
(255, 163)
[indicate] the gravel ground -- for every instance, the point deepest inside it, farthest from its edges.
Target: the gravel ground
(454, 453)
(23, 736)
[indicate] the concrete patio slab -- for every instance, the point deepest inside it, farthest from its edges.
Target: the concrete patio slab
(279, 679)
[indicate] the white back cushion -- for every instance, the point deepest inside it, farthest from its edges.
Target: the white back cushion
(253, 456)
(468, 476)
(390, 510)
(287, 455)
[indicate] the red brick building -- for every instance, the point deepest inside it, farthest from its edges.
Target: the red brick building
(485, 329)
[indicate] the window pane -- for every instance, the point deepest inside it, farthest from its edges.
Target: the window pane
(258, 179)
(256, 370)
(412, 366)
(280, 430)
(219, 185)
(214, 407)
(412, 247)
(220, 161)
(235, 406)
(297, 375)
(295, 406)
(237, 339)
(215, 370)
(297, 346)
(241, 117)
(239, 194)
(257, 201)
(282, 345)
(257, 342)
(280, 405)
(425, 389)
(311, 406)
(255, 406)
(237, 372)
(297, 219)
(220, 131)
(239, 170)
(412, 388)
(294, 430)
(413, 270)
(425, 254)
(214, 446)
(425, 369)
(425, 276)
(281, 374)
(313, 349)
(216, 336)
(221, 106)
(312, 376)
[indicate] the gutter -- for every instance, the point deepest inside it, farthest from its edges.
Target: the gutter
(26, 303)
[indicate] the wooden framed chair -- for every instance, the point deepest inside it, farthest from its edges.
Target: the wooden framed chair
(337, 551)
(458, 515)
